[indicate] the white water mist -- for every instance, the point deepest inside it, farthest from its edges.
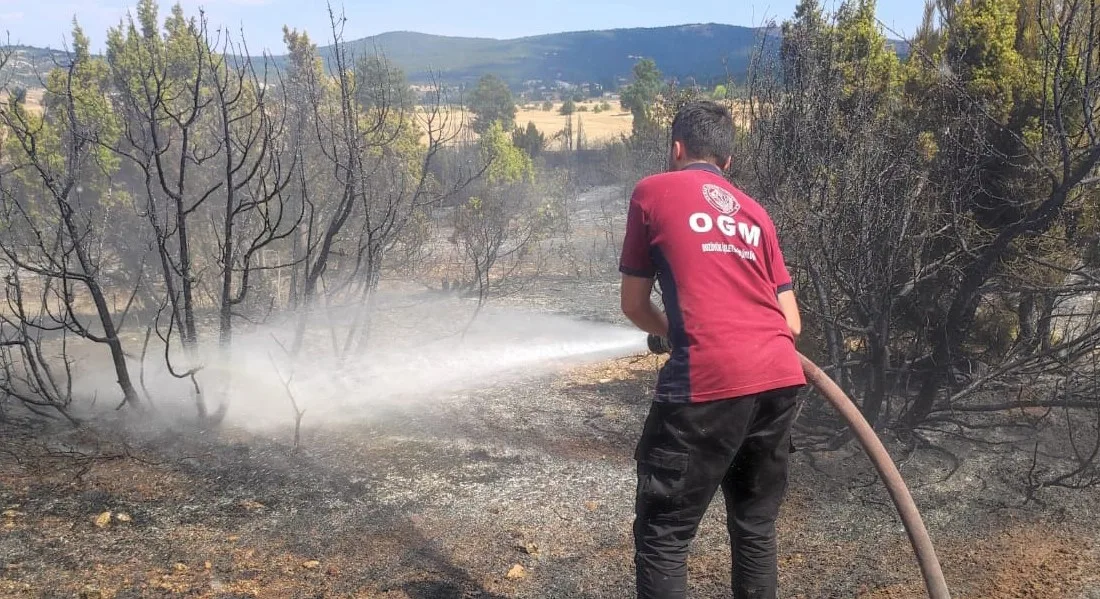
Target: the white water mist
(418, 350)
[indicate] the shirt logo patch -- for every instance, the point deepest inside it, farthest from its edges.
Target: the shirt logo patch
(722, 200)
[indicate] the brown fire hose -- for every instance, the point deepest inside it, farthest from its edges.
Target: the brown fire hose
(910, 516)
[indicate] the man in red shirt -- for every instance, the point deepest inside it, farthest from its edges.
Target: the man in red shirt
(725, 399)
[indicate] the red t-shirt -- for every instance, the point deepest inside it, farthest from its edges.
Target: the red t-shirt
(716, 255)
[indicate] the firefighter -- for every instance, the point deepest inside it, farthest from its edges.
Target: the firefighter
(726, 398)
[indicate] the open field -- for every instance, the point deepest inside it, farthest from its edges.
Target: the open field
(598, 128)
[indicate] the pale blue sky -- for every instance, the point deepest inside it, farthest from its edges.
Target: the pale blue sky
(47, 22)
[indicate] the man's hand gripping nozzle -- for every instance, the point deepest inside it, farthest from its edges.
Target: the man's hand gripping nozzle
(658, 345)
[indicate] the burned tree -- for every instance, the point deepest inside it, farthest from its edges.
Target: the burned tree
(939, 214)
(843, 173)
(204, 134)
(1023, 150)
(251, 131)
(892, 179)
(56, 204)
(375, 171)
(164, 101)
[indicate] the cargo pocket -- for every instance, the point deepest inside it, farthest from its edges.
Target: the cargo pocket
(662, 477)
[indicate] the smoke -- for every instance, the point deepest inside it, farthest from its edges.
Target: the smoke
(417, 350)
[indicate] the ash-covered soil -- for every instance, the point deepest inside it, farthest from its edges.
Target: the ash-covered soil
(514, 488)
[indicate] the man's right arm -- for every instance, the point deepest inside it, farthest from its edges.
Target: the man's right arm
(638, 270)
(639, 309)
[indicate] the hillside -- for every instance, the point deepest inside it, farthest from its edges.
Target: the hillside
(27, 66)
(700, 51)
(704, 53)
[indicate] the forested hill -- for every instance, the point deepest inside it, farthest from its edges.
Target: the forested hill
(703, 52)
(700, 51)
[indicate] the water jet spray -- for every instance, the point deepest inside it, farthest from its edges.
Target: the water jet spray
(422, 358)
(934, 582)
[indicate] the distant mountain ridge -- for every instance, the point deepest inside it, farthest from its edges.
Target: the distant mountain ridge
(702, 52)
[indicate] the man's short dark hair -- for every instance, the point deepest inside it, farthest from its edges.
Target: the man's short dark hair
(706, 130)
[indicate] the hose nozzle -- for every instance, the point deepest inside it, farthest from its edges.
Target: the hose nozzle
(658, 345)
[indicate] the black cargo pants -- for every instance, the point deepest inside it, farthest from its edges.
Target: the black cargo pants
(685, 454)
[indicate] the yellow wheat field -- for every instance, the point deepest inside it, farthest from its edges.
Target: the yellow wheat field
(598, 128)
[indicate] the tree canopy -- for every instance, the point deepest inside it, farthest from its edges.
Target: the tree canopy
(492, 102)
(638, 98)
